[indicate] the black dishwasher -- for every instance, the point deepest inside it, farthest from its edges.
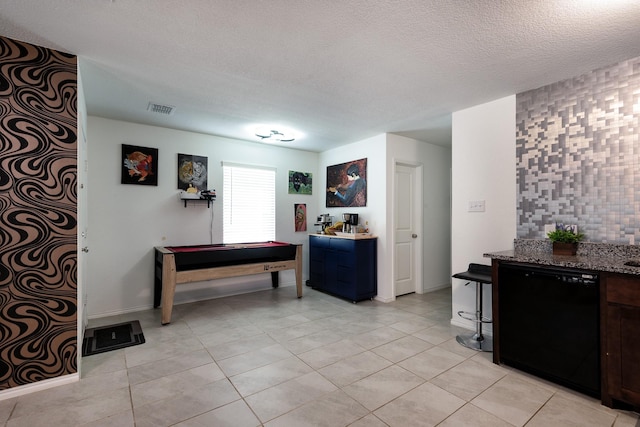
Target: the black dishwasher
(549, 324)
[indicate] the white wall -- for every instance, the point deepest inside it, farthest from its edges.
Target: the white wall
(127, 221)
(382, 151)
(436, 218)
(374, 150)
(483, 168)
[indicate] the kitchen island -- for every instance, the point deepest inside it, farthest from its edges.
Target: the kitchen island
(617, 326)
(591, 256)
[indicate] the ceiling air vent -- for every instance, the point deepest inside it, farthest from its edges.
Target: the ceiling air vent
(167, 110)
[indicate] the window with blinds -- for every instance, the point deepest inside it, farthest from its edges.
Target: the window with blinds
(248, 203)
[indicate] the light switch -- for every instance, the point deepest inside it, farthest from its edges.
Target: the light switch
(476, 206)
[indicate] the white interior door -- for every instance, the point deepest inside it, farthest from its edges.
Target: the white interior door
(406, 233)
(83, 247)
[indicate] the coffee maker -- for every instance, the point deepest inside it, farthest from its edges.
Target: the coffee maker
(349, 223)
(323, 221)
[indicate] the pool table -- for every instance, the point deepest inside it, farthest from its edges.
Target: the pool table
(185, 264)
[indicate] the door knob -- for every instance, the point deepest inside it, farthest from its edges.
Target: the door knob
(414, 236)
(85, 249)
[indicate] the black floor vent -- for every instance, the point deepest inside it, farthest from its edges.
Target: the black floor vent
(112, 337)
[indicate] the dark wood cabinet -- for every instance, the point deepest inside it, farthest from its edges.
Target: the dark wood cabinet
(620, 317)
(343, 267)
(547, 321)
(619, 328)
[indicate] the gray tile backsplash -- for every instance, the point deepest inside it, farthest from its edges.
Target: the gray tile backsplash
(578, 155)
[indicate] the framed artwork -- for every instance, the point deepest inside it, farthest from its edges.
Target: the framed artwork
(300, 182)
(300, 215)
(139, 165)
(192, 172)
(347, 184)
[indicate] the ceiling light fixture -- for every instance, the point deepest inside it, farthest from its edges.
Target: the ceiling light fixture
(274, 135)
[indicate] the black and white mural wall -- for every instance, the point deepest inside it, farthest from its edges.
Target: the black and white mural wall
(578, 155)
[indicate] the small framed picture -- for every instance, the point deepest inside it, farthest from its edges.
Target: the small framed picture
(139, 165)
(192, 172)
(300, 215)
(300, 182)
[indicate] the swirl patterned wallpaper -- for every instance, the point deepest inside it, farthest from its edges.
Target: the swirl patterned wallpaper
(38, 214)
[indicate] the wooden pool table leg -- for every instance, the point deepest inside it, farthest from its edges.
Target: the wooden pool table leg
(299, 270)
(168, 287)
(275, 279)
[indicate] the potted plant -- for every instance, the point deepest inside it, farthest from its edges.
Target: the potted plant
(565, 239)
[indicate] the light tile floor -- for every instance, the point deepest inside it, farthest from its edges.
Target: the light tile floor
(268, 358)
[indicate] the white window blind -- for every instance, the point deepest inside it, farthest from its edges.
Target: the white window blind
(249, 203)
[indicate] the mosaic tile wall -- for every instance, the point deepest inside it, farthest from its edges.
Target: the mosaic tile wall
(578, 155)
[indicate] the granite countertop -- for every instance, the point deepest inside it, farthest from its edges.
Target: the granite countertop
(590, 256)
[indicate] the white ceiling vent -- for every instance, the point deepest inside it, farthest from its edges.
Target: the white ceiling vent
(167, 110)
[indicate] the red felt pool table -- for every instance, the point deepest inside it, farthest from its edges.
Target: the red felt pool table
(185, 264)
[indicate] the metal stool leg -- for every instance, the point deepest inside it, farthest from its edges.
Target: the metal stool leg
(476, 341)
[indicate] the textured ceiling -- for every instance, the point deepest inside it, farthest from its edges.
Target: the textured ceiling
(336, 71)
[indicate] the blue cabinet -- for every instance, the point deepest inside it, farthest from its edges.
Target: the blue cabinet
(343, 267)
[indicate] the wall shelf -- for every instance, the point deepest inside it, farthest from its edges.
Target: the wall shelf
(202, 199)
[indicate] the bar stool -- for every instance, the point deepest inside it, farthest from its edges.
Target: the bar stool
(480, 274)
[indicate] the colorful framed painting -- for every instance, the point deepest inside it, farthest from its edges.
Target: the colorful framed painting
(300, 182)
(139, 165)
(300, 215)
(192, 172)
(347, 184)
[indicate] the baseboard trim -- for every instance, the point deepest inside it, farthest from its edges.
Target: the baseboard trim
(385, 300)
(435, 288)
(38, 386)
